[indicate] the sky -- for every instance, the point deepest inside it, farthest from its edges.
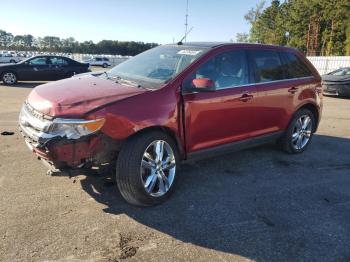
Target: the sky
(159, 21)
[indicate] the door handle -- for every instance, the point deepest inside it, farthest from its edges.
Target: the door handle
(293, 90)
(246, 97)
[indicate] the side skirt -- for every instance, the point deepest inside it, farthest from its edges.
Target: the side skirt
(233, 147)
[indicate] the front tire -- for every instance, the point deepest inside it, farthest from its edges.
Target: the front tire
(104, 65)
(146, 168)
(9, 78)
(299, 133)
(70, 74)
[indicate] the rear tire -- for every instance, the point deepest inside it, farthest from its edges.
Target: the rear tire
(9, 78)
(299, 133)
(141, 173)
(104, 65)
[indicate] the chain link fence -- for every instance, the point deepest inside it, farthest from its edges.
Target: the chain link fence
(326, 64)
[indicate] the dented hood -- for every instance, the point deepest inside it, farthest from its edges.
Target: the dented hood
(74, 97)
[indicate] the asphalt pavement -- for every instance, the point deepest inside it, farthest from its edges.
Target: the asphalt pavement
(255, 205)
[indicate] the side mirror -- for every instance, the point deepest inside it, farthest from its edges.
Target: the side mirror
(203, 84)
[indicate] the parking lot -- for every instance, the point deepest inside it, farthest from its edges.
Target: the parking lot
(254, 205)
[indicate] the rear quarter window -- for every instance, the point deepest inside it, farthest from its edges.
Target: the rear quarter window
(295, 67)
(58, 61)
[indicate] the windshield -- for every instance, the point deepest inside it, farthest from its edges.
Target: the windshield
(25, 60)
(157, 66)
(341, 72)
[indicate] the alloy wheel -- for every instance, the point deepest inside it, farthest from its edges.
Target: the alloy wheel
(9, 78)
(158, 167)
(302, 132)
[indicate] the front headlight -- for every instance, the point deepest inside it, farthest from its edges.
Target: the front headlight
(74, 129)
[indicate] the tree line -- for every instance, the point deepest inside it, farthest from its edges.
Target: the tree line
(69, 45)
(317, 27)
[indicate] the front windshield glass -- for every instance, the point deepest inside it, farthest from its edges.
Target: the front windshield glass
(341, 72)
(156, 66)
(25, 60)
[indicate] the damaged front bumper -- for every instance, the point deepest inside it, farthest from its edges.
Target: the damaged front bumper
(59, 152)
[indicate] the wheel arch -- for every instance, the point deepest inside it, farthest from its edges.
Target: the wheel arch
(167, 131)
(314, 109)
(8, 71)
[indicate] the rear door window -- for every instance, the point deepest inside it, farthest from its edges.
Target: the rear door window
(295, 67)
(267, 66)
(58, 61)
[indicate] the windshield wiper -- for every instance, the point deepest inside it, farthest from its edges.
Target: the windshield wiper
(106, 74)
(120, 80)
(129, 82)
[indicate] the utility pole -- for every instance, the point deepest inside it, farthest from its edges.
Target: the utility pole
(186, 22)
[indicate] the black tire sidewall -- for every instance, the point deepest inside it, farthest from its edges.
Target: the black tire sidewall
(138, 145)
(69, 74)
(288, 141)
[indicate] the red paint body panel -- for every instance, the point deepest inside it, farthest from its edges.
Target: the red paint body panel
(74, 97)
(152, 109)
(197, 120)
(274, 105)
(216, 118)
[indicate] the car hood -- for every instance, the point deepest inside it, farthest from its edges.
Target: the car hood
(332, 78)
(7, 65)
(74, 97)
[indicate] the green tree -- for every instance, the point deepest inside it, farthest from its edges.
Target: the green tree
(5, 38)
(347, 42)
(28, 41)
(335, 16)
(318, 25)
(70, 45)
(252, 17)
(242, 38)
(269, 27)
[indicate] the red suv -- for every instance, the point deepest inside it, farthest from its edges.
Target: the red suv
(171, 104)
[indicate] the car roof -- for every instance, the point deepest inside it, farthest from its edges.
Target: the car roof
(220, 44)
(50, 56)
